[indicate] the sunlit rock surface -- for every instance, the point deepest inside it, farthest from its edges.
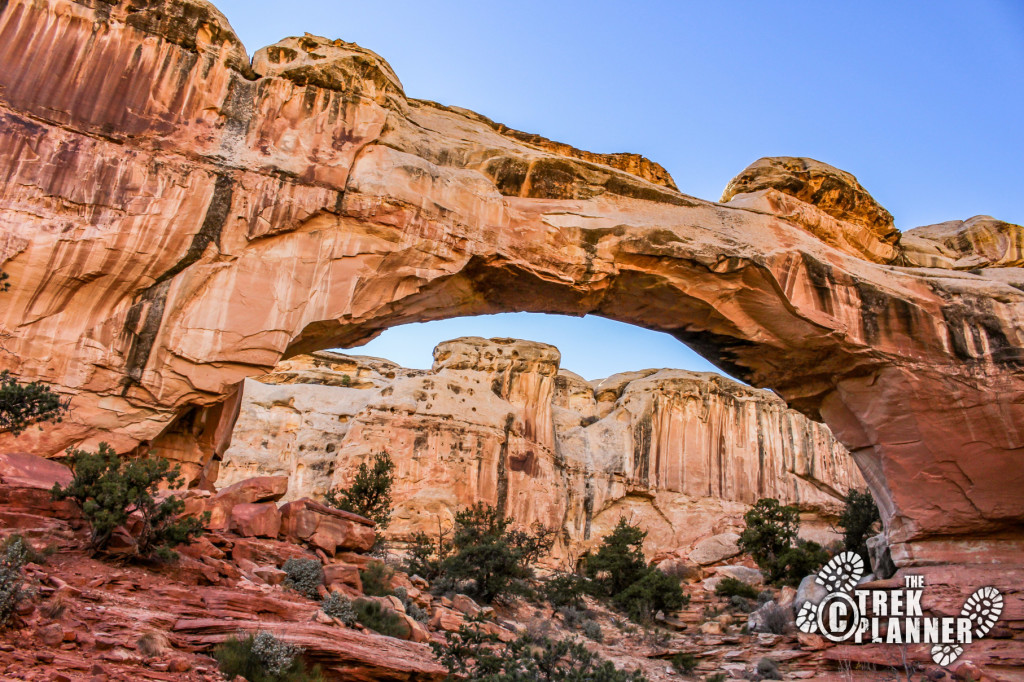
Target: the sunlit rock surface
(175, 219)
(682, 453)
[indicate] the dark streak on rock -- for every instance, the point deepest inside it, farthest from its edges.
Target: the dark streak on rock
(154, 298)
(502, 501)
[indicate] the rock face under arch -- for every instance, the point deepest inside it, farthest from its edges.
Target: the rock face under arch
(684, 454)
(176, 219)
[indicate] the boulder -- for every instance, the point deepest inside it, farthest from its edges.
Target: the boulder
(810, 591)
(249, 491)
(328, 529)
(881, 559)
(443, 618)
(715, 548)
(270, 575)
(22, 470)
(750, 576)
(341, 573)
(465, 605)
(256, 520)
(771, 617)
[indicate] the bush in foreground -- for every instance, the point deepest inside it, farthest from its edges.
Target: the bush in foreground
(305, 576)
(109, 490)
(12, 583)
(263, 658)
(338, 606)
(473, 654)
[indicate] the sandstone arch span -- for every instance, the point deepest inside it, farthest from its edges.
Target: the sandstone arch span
(189, 223)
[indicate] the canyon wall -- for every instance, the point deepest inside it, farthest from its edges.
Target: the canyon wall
(175, 218)
(682, 453)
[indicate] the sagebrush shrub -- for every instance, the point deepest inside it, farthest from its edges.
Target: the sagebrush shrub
(304, 576)
(411, 607)
(261, 657)
(592, 630)
(338, 606)
(12, 582)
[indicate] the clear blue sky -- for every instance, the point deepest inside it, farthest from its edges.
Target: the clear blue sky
(922, 101)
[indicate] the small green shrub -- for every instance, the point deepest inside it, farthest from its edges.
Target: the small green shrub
(32, 555)
(376, 579)
(716, 677)
(768, 669)
(338, 606)
(741, 603)
(653, 592)
(411, 608)
(385, 621)
(731, 587)
(425, 556)
(263, 658)
(304, 576)
(798, 562)
(859, 521)
(566, 589)
(110, 490)
(573, 617)
(592, 630)
(684, 663)
(12, 583)
(370, 492)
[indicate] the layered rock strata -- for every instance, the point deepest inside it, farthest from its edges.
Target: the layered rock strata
(176, 218)
(682, 453)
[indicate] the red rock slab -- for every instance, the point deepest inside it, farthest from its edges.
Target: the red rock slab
(348, 653)
(341, 573)
(236, 603)
(262, 551)
(261, 519)
(22, 470)
(329, 529)
(258, 489)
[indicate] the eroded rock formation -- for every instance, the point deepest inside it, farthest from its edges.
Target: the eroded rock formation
(176, 219)
(682, 453)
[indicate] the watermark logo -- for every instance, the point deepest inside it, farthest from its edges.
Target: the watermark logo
(893, 616)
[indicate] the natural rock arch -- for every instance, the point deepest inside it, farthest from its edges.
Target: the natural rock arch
(177, 229)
